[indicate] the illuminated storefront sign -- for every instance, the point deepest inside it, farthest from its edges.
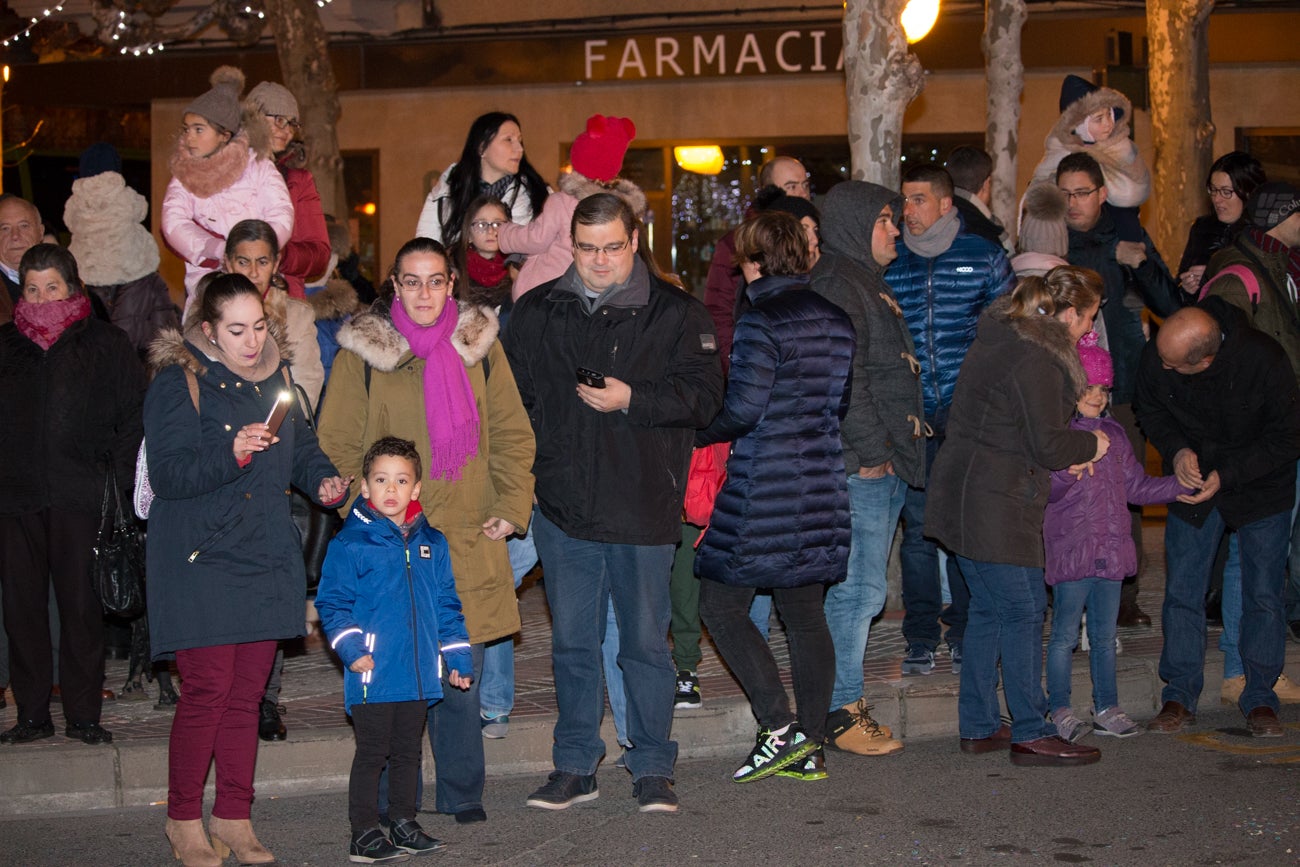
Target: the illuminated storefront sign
(696, 55)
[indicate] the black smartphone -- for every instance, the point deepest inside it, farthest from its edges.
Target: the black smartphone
(591, 377)
(278, 413)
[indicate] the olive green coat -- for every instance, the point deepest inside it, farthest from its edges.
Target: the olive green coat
(497, 482)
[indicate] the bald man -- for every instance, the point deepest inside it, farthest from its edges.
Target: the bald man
(1218, 400)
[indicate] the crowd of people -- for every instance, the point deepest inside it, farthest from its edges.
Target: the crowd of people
(531, 386)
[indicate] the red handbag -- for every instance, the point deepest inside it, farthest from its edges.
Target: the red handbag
(703, 481)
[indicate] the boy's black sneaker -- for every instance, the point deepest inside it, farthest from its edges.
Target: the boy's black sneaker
(655, 795)
(410, 837)
(773, 752)
(372, 847)
(563, 790)
(688, 690)
(27, 731)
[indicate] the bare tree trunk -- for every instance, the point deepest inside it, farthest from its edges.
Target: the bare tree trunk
(303, 47)
(1003, 20)
(881, 78)
(1182, 131)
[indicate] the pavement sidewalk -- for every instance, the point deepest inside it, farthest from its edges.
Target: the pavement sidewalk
(60, 775)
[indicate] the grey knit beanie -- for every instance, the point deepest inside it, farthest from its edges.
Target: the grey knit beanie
(271, 98)
(1042, 221)
(220, 105)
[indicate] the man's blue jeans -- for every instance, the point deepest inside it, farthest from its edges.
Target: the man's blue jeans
(1189, 556)
(1069, 598)
(922, 585)
(497, 685)
(581, 578)
(614, 676)
(874, 506)
(1005, 623)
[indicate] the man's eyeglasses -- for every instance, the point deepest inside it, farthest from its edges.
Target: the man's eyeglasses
(609, 249)
(1220, 192)
(1076, 195)
(282, 121)
(481, 226)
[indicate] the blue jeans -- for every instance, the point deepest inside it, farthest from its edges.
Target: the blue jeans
(1189, 556)
(922, 584)
(1005, 623)
(874, 506)
(497, 684)
(1069, 598)
(614, 677)
(581, 578)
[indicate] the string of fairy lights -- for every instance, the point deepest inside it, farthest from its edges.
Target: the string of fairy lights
(122, 29)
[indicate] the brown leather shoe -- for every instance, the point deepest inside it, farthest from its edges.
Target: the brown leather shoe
(1173, 718)
(999, 740)
(1131, 615)
(1053, 752)
(1263, 723)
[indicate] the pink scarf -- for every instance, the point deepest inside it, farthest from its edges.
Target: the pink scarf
(449, 409)
(43, 324)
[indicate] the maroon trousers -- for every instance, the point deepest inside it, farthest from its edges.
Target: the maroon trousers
(216, 717)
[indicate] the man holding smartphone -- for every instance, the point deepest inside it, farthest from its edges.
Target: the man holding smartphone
(617, 369)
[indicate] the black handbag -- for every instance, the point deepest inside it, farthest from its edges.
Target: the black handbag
(118, 566)
(316, 524)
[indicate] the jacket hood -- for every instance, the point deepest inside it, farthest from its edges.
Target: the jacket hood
(580, 186)
(108, 241)
(336, 300)
(1043, 331)
(849, 213)
(1103, 97)
(374, 338)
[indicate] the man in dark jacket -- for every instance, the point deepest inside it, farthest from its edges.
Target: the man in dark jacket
(882, 435)
(1220, 403)
(943, 279)
(1134, 275)
(972, 178)
(613, 446)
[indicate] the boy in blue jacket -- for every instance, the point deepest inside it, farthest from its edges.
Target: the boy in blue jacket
(389, 607)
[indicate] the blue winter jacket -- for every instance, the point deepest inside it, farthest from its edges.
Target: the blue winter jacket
(942, 299)
(782, 516)
(401, 592)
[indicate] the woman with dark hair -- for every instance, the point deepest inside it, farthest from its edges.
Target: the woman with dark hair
(1231, 180)
(491, 163)
(72, 387)
(782, 516)
(1007, 431)
(226, 576)
(428, 367)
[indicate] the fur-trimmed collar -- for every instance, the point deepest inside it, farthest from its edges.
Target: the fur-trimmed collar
(580, 186)
(206, 176)
(1049, 334)
(336, 300)
(1077, 111)
(373, 337)
(169, 348)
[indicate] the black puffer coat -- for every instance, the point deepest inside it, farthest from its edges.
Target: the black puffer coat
(62, 412)
(782, 516)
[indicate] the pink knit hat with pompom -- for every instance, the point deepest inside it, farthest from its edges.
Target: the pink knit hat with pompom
(1096, 361)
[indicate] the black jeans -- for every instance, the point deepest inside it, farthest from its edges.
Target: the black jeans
(387, 733)
(725, 611)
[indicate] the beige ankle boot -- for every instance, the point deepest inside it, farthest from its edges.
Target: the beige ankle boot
(190, 845)
(1232, 689)
(236, 835)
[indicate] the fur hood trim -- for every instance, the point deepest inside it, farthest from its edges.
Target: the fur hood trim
(580, 186)
(1076, 112)
(108, 242)
(336, 300)
(169, 347)
(373, 337)
(1049, 334)
(206, 176)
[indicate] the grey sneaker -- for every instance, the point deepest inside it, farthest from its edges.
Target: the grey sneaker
(1114, 722)
(655, 795)
(919, 660)
(1069, 727)
(954, 649)
(495, 727)
(563, 790)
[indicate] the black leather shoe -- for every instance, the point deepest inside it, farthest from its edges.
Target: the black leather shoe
(1131, 615)
(27, 731)
(88, 733)
(999, 740)
(269, 725)
(1051, 752)
(408, 836)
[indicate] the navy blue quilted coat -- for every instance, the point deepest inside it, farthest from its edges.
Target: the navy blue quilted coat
(782, 516)
(942, 299)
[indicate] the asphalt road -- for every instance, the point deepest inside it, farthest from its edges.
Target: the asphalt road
(1217, 797)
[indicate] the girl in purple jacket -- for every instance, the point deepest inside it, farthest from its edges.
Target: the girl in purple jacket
(1089, 549)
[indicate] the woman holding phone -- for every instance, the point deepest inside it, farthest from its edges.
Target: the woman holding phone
(226, 577)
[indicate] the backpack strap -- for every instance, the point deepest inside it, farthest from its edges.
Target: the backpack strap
(192, 381)
(1241, 272)
(368, 369)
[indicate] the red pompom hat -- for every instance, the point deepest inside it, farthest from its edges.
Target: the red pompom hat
(598, 152)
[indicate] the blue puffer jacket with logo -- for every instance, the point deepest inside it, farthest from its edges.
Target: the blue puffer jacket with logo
(401, 592)
(942, 299)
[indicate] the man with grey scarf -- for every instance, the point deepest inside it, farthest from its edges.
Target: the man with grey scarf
(943, 279)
